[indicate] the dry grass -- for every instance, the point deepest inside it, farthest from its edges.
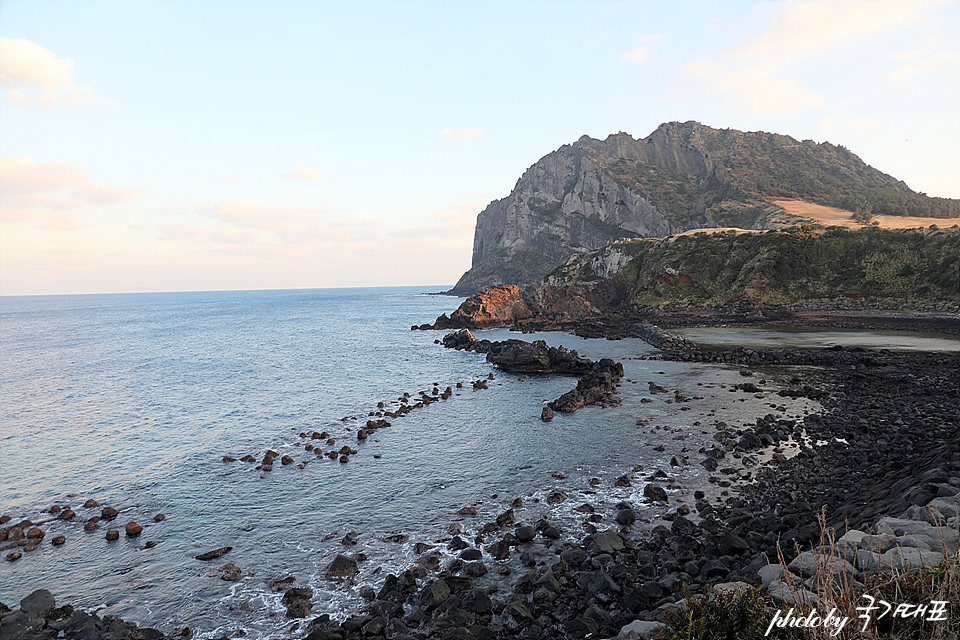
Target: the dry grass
(836, 587)
(831, 216)
(746, 615)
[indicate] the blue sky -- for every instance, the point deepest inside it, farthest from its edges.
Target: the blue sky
(171, 146)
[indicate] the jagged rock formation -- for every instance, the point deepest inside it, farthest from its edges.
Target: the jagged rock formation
(597, 384)
(505, 305)
(682, 176)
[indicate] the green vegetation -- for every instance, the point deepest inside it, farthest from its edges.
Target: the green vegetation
(789, 266)
(735, 615)
(608, 228)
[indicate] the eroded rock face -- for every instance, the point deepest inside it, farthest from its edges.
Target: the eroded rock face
(507, 305)
(562, 205)
(496, 306)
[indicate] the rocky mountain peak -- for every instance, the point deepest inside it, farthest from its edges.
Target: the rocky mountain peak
(683, 175)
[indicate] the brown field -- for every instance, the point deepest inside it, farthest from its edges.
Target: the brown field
(838, 217)
(897, 222)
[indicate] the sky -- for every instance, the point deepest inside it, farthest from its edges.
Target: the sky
(214, 145)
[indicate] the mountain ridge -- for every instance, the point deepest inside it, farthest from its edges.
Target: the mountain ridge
(682, 176)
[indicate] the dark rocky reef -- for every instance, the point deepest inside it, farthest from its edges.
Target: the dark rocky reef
(598, 381)
(39, 617)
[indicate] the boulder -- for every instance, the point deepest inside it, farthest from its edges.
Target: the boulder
(342, 567)
(655, 492)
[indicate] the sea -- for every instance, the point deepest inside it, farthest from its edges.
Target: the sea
(133, 400)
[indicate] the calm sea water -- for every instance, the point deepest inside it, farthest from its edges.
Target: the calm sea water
(133, 400)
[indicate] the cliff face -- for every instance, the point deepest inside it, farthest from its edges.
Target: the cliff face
(682, 176)
(563, 204)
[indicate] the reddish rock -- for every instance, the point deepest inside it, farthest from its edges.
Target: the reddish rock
(229, 459)
(16, 533)
(133, 529)
(5, 519)
(90, 504)
(150, 544)
(159, 517)
(66, 514)
(90, 526)
(35, 533)
(285, 460)
(113, 534)
(109, 513)
(344, 459)
(58, 540)
(231, 573)
(54, 509)
(495, 306)
(361, 434)
(248, 458)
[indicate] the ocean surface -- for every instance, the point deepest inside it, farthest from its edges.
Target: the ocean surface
(133, 400)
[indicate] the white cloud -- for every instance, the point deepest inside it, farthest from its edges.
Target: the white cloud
(37, 191)
(802, 30)
(920, 63)
(34, 77)
(460, 134)
(305, 174)
(641, 52)
(234, 178)
(756, 75)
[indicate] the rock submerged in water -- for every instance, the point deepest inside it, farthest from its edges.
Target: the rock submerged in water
(112, 535)
(230, 573)
(342, 567)
(133, 529)
(212, 555)
(655, 492)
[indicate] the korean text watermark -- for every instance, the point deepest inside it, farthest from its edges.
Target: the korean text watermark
(874, 609)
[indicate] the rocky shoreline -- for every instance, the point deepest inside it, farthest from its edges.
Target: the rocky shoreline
(884, 453)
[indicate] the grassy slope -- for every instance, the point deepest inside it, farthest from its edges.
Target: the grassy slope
(795, 264)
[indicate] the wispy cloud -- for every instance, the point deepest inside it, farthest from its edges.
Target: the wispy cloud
(920, 63)
(460, 134)
(234, 178)
(756, 75)
(34, 77)
(641, 52)
(40, 191)
(304, 174)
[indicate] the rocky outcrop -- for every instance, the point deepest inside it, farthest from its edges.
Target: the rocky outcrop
(597, 384)
(495, 306)
(509, 305)
(562, 205)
